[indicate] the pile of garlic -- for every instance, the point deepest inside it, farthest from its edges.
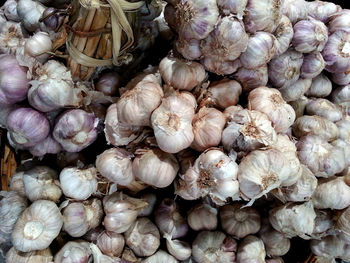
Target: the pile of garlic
(234, 143)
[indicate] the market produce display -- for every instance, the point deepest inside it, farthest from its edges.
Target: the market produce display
(226, 148)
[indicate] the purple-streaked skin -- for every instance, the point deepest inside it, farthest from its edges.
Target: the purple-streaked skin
(75, 130)
(27, 127)
(313, 65)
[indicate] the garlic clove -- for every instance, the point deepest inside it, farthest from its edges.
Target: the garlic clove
(203, 217)
(38, 256)
(251, 249)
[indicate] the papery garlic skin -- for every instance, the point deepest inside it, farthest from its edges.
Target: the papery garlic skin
(284, 35)
(251, 249)
(295, 10)
(224, 93)
(270, 102)
(208, 125)
(143, 237)
(251, 78)
(121, 211)
(38, 256)
(38, 45)
(324, 108)
(179, 249)
(160, 257)
(115, 164)
(172, 123)
(238, 221)
(232, 7)
(260, 50)
(181, 74)
(342, 222)
(10, 10)
(324, 222)
(110, 243)
(213, 174)
(195, 18)
(313, 65)
(37, 226)
(214, 246)
(315, 125)
(344, 130)
(41, 183)
(332, 246)
(294, 219)
(74, 251)
(276, 244)
(262, 16)
(322, 10)
(143, 96)
(203, 217)
(321, 87)
(11, 36)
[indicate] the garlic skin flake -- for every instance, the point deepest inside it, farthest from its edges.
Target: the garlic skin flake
(214, 246)
(38, 256)
(74, 251)
(37, 226)
(203, 217)
(251, 249)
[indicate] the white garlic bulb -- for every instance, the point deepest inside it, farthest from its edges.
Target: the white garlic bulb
(294, 219)
(219, 66)
(341, 95)
(252, 78)
(299, 106)
(155, 167)
(251, 249)
(160, 257)
(74, 251)
(79, 218)
(115, 164)
(295, 10)
(111, 244)
(203, 217)
(214, 246)
(143, 237)
(172, 123)
(224, 93)
(332, 246)
(41, 182)
(30, 12)
(313, 65)
(238, 221)
(233, 7)
(121, 211)
(321, 10)
(284, 35)
(142, 97)
(342, 78)
(38, 256)
(38, 45)
(270, 102)
(276, 244)
(324, 223)
(181, 74)
(77, 183)
(213, 174)
(37, 226)
(315, 125)
(296, 90)
(344, 130)
(248, 130)
(207, 124)
(332, 193)
(16, 183)
(321, 87)
(9, 9)
(188, 48)
(179, 249)
(324, 108)
(151, 200)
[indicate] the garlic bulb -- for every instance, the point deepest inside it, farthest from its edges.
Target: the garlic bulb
(345, 147)
(78, 218)
(108, 83)
(224, 93)
(341, 79)
(203, 217)
(129, 256)
(309, 35)
(238, 221)
(342, 222)
(10, 10)
(344, 130)
(41, 183)
(313, 65)
(270, 102)
(14, 83)
(74, 251)
(38, 45)
(142, 97)
(262, 15)
(213, 174)
(160, 167)
(341, 95)
(332, 193)
(115, 164)
(27, 127)
(284, 35)
(296, 90)
(12, 37)
(77, 183)
(260, 50)
(143, 237)
(151, 199)
(30, 12)
(172, 123)
(323, 223)
(323, 159)
(117, 133)
(37, 226)
(195, 18)
(321, 87)
(299, 106)
(111, 244)
(331, 247)
(181, 74)
(251, 78)
(47, 146)
(322, 10)
(179, 249)
(295, 10)
(214, 246)
(284, 70)
(227, 41)
(219, 66)
(337, 51)
(324, 108)
(339, 21)
(235, 7)
(294, 219)
(169, 220)
(160, 257)
(315, 125)
(121, 211)
(276, 244)
(248, 130)
(16, 183)
(38, 256)
(251, 249)
(189, 48)
(12, 204)
(208, 125)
